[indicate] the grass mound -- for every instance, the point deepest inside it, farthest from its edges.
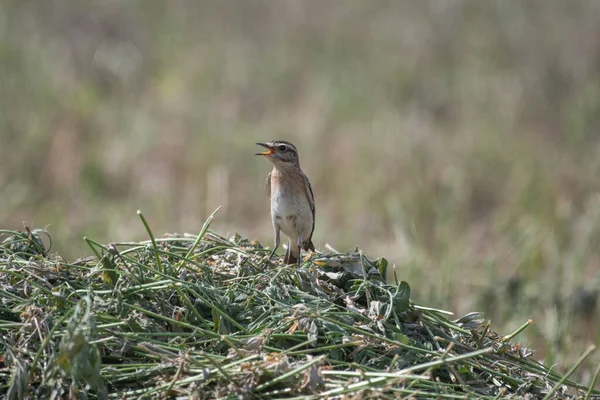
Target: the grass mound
(208, 317)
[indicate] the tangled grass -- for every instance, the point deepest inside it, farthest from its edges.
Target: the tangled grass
(205, 316)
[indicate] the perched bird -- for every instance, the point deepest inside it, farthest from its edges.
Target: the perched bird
(292, 199)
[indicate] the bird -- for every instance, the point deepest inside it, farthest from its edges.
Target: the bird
(292, 199)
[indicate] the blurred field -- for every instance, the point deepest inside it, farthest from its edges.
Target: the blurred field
(459, 139)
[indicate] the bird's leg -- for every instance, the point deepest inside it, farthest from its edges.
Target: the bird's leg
(299, 250)
(276, 241)
(272, 252)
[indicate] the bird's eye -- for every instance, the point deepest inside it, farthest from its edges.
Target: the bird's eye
(283, 147)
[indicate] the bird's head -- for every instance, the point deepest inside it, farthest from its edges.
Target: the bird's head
(280, 152)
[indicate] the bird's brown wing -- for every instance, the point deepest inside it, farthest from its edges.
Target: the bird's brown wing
(311, 201)
(268, 185)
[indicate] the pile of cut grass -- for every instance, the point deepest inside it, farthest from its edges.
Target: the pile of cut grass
(208, 317)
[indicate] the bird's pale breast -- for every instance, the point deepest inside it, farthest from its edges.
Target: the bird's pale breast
(290, 207)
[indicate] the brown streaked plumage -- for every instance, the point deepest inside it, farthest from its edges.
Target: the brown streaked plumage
(292, 199)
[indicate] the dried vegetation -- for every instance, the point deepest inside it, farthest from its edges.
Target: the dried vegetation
(205, 316)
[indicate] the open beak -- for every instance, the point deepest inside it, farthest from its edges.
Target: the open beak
(265, 153)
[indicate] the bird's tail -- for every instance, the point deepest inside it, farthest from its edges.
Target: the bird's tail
(293, 252)
(309, 246)
(289, 257)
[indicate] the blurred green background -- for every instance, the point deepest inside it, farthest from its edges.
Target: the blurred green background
(459, 139)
